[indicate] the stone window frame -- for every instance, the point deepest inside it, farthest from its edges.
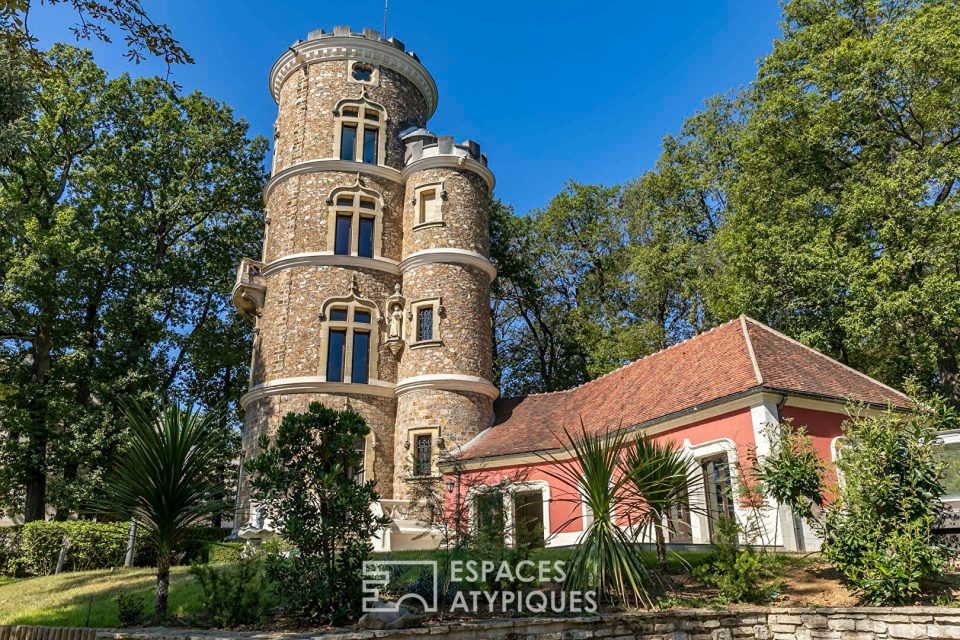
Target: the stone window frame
(434, 303)
(351, 303)
(360, 121)
(412, 434)
(374, 80)
(440, 194)
(356, 192)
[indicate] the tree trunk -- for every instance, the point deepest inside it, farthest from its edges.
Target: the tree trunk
(35, 475)
(661, 548)
(950, 378)
(163, 587)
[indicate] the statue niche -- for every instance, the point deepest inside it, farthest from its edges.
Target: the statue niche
(395, 325)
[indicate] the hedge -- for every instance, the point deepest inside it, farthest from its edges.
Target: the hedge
(33, 549)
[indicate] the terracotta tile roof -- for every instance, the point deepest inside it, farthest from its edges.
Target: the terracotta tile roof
(733, 358)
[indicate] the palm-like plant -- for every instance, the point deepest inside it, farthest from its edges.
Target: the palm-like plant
(165, 478)
(661, 477)
(606, 556)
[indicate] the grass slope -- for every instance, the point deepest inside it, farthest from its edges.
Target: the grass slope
(89, 598)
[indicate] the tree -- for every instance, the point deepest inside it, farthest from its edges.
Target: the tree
(661, 478)
(121, 225)
(604, 558)
(141, 35)
(846, 198)
(165, 479)
(306, 481)
(879, 529)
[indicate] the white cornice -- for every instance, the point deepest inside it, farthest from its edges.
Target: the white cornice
(330, 164)
(448, 382)
(315, 384)
(450, 162)
(327, 259)
(453, 256)
(330, 48)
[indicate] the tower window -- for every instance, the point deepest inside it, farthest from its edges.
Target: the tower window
(423, 455)
(361, 357)
(365, 241)
(428, 202)
(348, 141)
(362, 72)
(360, 131)
(335, 355)
(360, 446)
(355, 224)
(341, 245)
(424, 324)
(369, 146)
(426, 314)
(351, 338)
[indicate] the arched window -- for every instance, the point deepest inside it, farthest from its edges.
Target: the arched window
(350, 339)
(355, 222)
(360, 131)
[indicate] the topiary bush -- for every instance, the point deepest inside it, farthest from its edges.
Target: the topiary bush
(220, 552)
(234, 594)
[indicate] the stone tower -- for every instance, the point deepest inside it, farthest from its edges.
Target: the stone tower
(373, 288)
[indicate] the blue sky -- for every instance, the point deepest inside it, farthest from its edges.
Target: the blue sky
(551, 90)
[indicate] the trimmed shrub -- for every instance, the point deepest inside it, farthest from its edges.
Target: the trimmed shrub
(131, 609)
(33, 548)
(93, 545)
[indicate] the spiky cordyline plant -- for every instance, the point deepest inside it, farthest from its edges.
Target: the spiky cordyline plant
(606, 557)
(661, 477)
(165, 478)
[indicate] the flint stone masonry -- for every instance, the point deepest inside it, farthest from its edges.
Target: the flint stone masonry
(912, 623)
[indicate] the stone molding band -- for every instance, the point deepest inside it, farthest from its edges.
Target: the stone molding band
(378, 388)
(315, 384)
(330, 164)
(327, 259)
(448, 382)
(451, 256)
(351, 47)
(450, 162)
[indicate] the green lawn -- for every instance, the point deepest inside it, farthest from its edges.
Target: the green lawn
(88, 598)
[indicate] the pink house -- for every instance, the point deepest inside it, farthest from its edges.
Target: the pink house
(712, 395)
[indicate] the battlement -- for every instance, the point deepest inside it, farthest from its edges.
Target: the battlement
(366, 46)
(427, 145)
(369, 34)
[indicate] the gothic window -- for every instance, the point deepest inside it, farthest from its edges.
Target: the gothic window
(355, 223)
(351, 338)
(427, 202)
(360, 131)
(364, 73)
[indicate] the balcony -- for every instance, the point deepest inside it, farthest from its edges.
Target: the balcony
(250, 290)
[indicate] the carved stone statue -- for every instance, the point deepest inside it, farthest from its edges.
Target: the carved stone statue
(396, 322)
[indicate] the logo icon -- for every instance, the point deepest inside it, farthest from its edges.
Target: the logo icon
(376, 576)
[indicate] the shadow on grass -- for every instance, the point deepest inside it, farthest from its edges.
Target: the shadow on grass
(89, 598)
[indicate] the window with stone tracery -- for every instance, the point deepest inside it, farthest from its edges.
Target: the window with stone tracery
(360, 131)
(350, 337)
(355, 223)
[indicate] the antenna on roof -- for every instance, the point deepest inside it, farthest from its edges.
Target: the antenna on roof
(385, 3)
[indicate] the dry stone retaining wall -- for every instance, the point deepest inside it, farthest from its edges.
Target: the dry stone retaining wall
(913, 623)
